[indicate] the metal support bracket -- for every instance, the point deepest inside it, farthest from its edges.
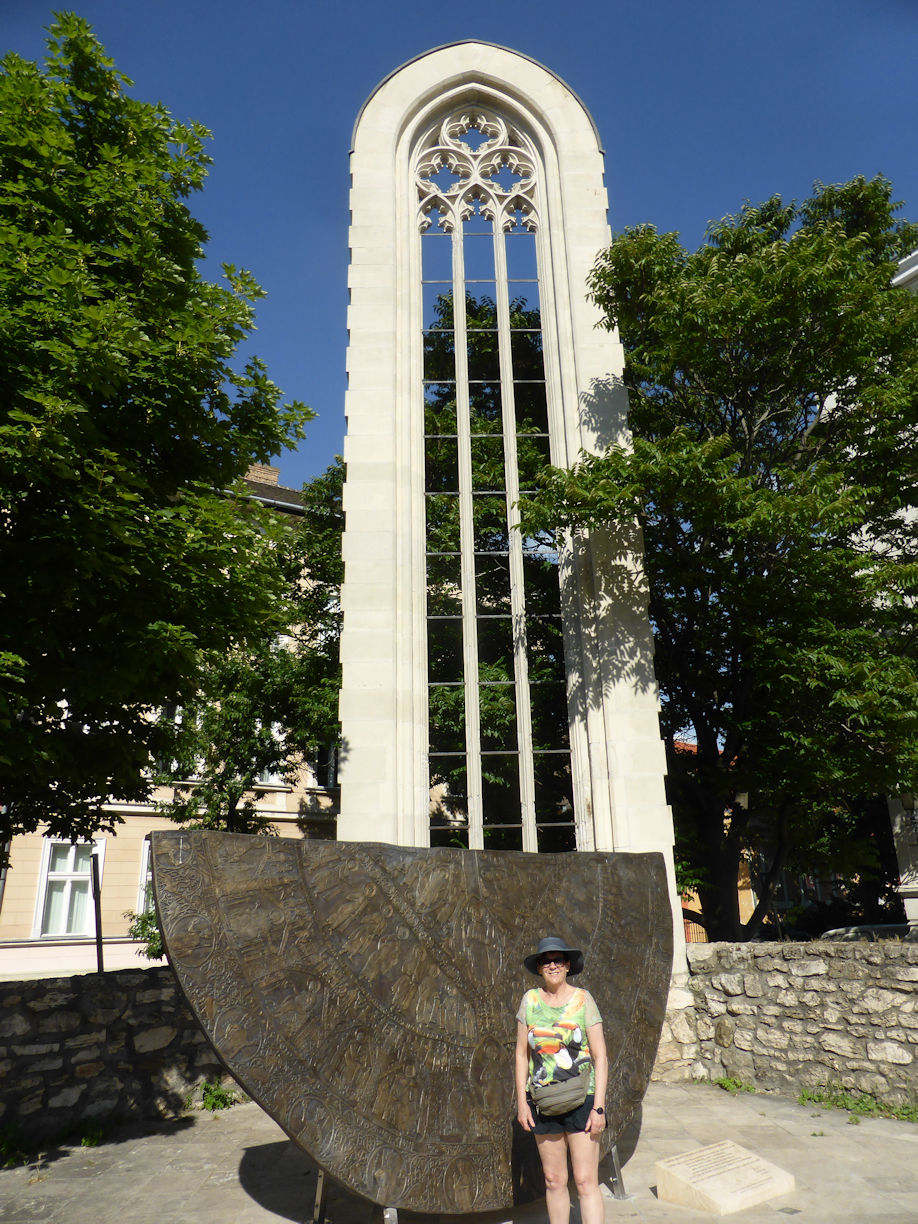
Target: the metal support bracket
(618, 1184)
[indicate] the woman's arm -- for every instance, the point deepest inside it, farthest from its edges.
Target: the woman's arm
(597, 1042)
(521, 1075)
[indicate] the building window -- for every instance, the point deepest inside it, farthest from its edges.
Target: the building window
(65, 906)
(499, 746)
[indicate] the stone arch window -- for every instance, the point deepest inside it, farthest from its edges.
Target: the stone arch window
(478, 207)
(499, 744)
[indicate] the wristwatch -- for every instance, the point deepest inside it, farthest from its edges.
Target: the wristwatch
(598, 1109)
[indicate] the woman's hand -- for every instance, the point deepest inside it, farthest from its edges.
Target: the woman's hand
(596, 1123)
(524, 1116)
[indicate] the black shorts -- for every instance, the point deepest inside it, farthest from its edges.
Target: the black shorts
(557, 1124)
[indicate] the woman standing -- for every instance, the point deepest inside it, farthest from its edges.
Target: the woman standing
(561, 1065)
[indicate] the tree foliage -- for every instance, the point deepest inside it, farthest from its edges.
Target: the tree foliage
(773, 380)
(265, 706)
(122, 420)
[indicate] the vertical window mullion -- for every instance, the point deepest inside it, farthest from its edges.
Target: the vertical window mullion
(467, 548)
(517, 595)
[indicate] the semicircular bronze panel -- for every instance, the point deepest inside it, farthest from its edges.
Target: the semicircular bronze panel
(365, 994)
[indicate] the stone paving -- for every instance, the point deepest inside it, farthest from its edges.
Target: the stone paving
(237, 1167)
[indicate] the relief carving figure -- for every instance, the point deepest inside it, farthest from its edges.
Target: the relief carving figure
(364, 995)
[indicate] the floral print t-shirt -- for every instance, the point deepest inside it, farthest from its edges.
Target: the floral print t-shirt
(558, 1045)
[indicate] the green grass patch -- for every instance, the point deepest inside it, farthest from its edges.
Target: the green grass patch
(215, 1096)
(731, 1085)
(858, 1104)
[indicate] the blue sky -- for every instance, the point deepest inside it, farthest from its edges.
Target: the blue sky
(701, 104)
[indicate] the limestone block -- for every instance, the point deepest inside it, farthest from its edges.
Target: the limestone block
(683, 1027)
(877, 1000)
(705, 1028)
(729, 983)
(889, 1051)
(154, 1039)
(67, 1097)
(752, 986)
(720, 1179)
(14, 1026)
(808, 968)
(835, 1043)
(739, 1007)
(679, 999)
(742, 1039)
(723, 1032)
(774, 1038)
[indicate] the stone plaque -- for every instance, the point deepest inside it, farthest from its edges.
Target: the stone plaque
(365, 995)
(721, 1179)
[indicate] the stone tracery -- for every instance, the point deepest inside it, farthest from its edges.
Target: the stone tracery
(478, 168)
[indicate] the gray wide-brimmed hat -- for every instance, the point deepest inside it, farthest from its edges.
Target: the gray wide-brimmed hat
(551, 943)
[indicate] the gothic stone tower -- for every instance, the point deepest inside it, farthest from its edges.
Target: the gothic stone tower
(498, 689)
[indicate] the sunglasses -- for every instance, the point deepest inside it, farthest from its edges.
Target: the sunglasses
(554, 958)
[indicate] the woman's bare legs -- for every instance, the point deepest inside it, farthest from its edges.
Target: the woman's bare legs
(553, 1153)
(584, 1151)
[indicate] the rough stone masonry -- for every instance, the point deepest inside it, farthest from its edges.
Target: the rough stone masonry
(787, 1016)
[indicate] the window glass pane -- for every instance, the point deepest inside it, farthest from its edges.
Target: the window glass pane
(439, 355)
(525, 304)
(492, 583)
(549, 715)
(442, 522)
(556, 839)
(498, 716)
(530, 407)
(78, 915)
(503, 839)
(490, 515)
(485, 408)
(449, 804)
(488, 464)
(521, 256)
(484, 356)
(526, 352)
(82, 856)
(554, 794)
(443, 836)
(532, 453)
(444, 649)
(478, 260)
(437, 256)
(446, 704)
(438, 306)
(495, 646)
(440, 408)
(500, 781)
(545, 648)
(444, 594)
(480, 311)
(442, 465)
(53, 919)
(59, 858)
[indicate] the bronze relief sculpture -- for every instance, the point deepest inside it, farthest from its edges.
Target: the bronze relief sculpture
(364, 995)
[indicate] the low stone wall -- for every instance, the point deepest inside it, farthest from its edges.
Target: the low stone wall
(788, 1016)
(111, 1045)
(123, 1044)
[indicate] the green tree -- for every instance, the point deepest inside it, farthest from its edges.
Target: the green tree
(122, 420)
(773, 380)
(264, 706)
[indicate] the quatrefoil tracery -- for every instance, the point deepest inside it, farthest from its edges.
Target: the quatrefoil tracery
(498, 175)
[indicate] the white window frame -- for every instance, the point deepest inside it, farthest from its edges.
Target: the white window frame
(146, 877)
(98, 849)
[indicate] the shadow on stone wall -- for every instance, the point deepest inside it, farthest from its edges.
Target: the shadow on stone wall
(95, 1047)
